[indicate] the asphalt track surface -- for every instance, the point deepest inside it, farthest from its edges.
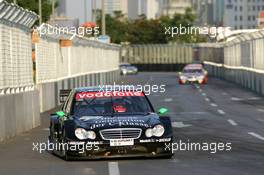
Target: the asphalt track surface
(213, 113)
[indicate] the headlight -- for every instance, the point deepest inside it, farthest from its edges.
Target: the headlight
(157, 131)
(82, 134)
(183, 77)
(200, 77)
(149, 132)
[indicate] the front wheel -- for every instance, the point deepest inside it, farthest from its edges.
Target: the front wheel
(60, 144)
(64, 147)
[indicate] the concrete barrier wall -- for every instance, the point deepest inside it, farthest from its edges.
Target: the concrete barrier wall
(241, 61)
(18, 113)
(158, 54)
(251, 80)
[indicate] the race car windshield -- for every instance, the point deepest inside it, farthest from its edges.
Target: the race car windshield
(110, 105)
(192, 71)
(125, 65)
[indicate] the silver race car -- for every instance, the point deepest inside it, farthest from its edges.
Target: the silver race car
(193, 73)
(126, 68)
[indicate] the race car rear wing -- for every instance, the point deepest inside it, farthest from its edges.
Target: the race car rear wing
(64, 93)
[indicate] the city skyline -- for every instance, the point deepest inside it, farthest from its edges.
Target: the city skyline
(232, 13)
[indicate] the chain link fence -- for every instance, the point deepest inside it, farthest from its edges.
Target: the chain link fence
(15, 48)
(19, 101)
(55, 62)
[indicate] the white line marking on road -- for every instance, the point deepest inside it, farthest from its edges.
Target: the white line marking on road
(168, 99)
(236, 99)
(175, 160)
(203, 94)
(220, 111)
(261, 120)
(200, 90)
(261, 110)
(241, 99)
(254, 98)
(213, 104)
(224, 93)
(207, 99)
(180, 125)
(113, 168)
(232, 122)
(256, 135)
(187, 113)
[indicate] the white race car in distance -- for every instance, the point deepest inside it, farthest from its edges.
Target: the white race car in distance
(193, 73)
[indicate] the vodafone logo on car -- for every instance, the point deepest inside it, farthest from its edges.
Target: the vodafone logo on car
(83, 95)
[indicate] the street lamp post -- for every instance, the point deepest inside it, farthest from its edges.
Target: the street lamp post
(103, 17)
(53, 9)
(94, 11)
(85, 10)
(40, 12)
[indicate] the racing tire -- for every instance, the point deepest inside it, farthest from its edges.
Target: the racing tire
(51, 138)
(64, 154)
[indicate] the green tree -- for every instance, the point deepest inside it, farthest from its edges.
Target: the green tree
(183, 21)
(33, 6)
(144, 31)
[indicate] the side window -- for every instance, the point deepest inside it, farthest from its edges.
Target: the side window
(69, 103)
(64, 106)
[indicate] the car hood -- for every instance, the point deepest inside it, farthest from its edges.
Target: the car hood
(118, 121)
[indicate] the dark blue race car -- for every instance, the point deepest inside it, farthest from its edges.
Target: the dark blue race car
(99, 124)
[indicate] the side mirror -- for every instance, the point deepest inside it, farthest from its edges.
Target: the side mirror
(60, 113)
(163, 111)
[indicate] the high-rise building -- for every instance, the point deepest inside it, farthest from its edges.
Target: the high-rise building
(82, 9)
(209, 12)
(116, 5)
(242, 14)
(170, 7)
(218, 12)
(76, 10)
(149, 8)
